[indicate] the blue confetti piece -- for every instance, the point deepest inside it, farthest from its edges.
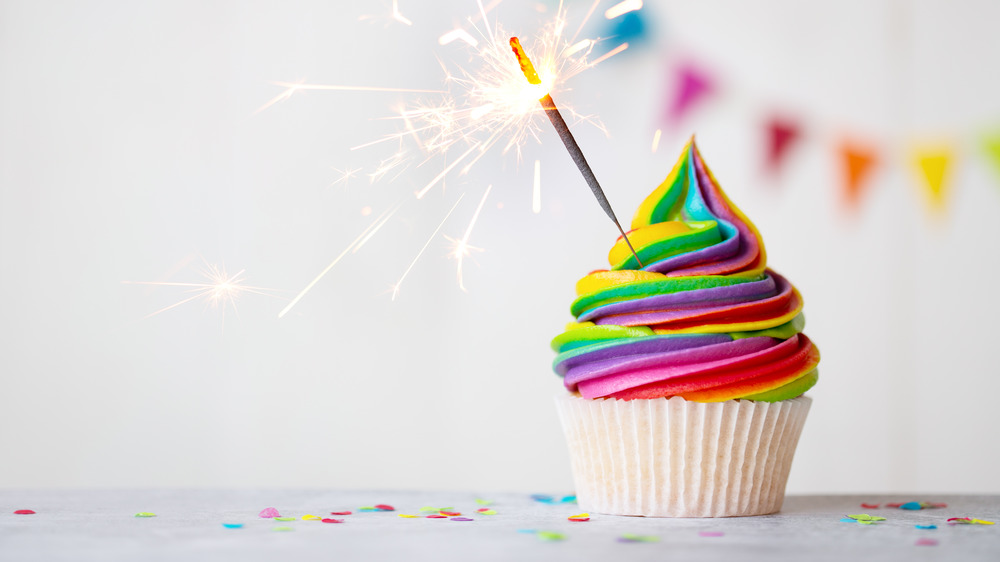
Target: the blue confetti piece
(543, 498)
(847, 520)
(911, 505)
(529, 531)
(926, 526)
(569, 499)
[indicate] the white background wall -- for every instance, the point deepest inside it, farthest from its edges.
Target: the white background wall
(129, 146)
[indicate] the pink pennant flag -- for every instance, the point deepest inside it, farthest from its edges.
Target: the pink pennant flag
(781, 133)
(691, 85)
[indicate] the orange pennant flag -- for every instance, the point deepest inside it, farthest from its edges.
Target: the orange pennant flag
(858, 162)
(934, 165)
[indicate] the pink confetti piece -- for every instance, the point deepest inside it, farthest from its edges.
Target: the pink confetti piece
(437, 516)
(870, 505)
(24, 512)
(711, 533)
(894, 504)
(384, 507)
(269, 513)
(328, 520)
(451, 513)
(340, 513)
(926, 542)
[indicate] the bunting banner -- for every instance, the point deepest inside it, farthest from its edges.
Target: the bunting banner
(858, 161)
(781, 133)
(691, 85)
(933, 164)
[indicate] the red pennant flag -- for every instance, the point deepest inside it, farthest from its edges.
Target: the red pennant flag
(691, 85)
(781, 135)
(857, 161)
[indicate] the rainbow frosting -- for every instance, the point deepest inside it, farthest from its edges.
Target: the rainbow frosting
(703, 318)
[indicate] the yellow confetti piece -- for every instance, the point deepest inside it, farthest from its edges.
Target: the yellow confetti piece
(428, 509)
(488, 512)
(408, 516)
(310, 518)
(148, 514)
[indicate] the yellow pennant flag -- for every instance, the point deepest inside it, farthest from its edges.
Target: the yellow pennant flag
(934, 164)
(991, 143)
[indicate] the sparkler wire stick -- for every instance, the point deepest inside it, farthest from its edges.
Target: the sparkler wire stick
(552, 112)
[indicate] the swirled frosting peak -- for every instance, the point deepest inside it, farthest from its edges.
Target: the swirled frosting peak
(704, 318)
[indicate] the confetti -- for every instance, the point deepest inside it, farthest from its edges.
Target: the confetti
(926, 542)
(568, 499)
(408, 516)
(926, 526)
(911, 505)
(24, 512)
(437, 516)
(461, 519)
(710, 533)
(284, 519)
(450, 513)
(542, 498)
(968, 521)
(145, 514)
(863, 518)
(368, 508)
(340, 513)
(638, 538)
(384, 507)
(486, 511)
(282, 529)
(893, 504)
(870, 505)
(550, 536)
(428, 509)
(233, 525)
(328, 520)
(580, 517)
(480, 501)
(310, 518)
(269, 513)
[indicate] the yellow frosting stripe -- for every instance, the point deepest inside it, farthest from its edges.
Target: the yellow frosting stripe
(600, 280)
(659, 205)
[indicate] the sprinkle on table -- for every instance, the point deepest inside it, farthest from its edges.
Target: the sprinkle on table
(340, 513)
(550, 536)
(233, 525)
(24, 512)
(384, 507)
(710, 533)
(429, 509)
(269, 513)
(926, 542)
(368, 508)
(486, 511)
(282, 529)
(437, 516)
(145, 514)
(310, 518)
(450, 513)
(968, 521)
(926, 526)
(638, 538)
(870, 505)
(863, 518)
(408, 516)
(462, 519)
(328, 520)
(580, 517)
(480, 501)
(542, 498)
(284, 519)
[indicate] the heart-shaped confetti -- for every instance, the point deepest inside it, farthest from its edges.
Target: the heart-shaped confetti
(340, 513)
(579, 517)
(24, 512)
(269, 513)
(328, 520)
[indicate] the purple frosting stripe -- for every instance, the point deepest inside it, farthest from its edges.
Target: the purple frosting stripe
(714, 253)
(680, 362)
(716, 296)
(640, 346)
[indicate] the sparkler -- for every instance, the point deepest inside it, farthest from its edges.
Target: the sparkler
(552, 112)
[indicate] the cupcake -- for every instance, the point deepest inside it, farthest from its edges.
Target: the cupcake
(685, 375)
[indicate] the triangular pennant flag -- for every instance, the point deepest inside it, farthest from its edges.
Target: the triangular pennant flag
(934, 164)
(992, 145)
(691, 84)
(781, 135)
(858, 161)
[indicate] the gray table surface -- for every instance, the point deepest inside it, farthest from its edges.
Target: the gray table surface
(101, 525)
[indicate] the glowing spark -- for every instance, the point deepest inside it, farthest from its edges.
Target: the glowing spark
(622, 8)
(458, 34)
(221, 290)
(461, 248)
(656, 140)
(344, 175)
(439, 177)
(609, 54)
(291, 88)
(577, 47)
(396, 15)
(536, 192)
(353, 246)
(586, 18)
(395, 288)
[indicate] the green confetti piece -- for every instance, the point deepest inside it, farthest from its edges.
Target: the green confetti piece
(861, 517)
(641, 538)
(480, 501)
(488, 512)
(550, 536)
(145, 514)
(429, 509)
(282, 529)
(284, 519)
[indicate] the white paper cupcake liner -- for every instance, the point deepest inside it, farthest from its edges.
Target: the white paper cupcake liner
(674, 458)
